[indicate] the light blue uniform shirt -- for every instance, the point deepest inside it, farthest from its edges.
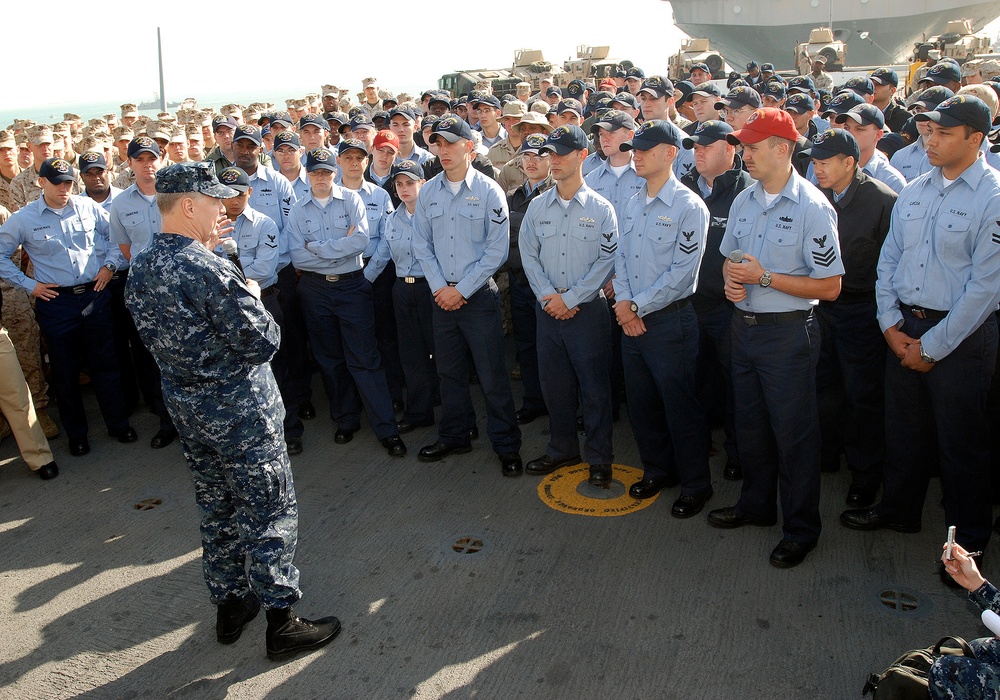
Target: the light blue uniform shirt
(134, 220)
(943, 252)
(331, 250)
(115, 191)
(879, 168)
(795, 235)
(300, 185)
(272, 195)
(257, 238)
(684, 162)
(419, 155)
(67, 249)
(616, 189)
(378, 206)
(591, 163)
(660, 247)
(911, 161)
(397, 245)
(570, 247)
(462, 238)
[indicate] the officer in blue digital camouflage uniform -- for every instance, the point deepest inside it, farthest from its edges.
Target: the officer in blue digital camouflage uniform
(213, 338)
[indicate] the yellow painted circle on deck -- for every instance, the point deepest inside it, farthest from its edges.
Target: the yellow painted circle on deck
(562, 488)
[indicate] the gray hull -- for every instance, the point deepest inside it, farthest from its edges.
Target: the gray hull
(769, 31)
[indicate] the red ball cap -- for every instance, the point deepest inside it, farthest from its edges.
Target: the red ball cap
(764, 123)
(385, 138)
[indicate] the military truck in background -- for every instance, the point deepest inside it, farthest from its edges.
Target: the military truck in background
(824, 42)
(958, 41)
(695, 51)
(592, 63)
(529, 66)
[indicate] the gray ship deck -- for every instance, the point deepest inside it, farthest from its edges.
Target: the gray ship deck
(101, 600)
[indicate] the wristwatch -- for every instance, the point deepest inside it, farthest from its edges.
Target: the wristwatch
(111, 267)
(765, 279)
(925, 357)
(633, 307)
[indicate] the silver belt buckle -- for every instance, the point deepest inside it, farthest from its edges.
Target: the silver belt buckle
(332, 278)
(562, 290)
(749, 319)
(80, 289)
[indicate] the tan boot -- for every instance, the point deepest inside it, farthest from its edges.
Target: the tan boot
(49, 426)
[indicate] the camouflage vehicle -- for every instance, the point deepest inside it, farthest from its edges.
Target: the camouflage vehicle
(592, 63)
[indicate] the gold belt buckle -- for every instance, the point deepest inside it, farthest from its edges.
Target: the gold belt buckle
(332, 278)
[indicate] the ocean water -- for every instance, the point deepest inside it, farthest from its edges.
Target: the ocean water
(52, 113)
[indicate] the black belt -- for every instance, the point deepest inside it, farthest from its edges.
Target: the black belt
(672, 307)
(412, 280)
(752, 319)
(334, 278)
(922, 313)
(269, 291)
(78, 289)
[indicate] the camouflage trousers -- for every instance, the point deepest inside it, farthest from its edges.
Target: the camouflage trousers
(960, 678)
(19, 320)
(248, 508)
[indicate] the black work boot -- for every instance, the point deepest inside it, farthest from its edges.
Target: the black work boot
(233, 615)
(287, 634)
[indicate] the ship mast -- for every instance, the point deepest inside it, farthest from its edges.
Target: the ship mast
(159, 56)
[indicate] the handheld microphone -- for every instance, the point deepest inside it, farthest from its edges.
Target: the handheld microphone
(736, 256)
(992, 621)
(231, 249)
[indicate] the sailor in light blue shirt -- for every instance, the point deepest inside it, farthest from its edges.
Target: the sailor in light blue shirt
(569, 246)
(68, 246)
(328, 237)
(327, 233)
(272, 192)
(786, 233)
(615, 178)
(461, 238)
(134, 215)
(866, 123)
(795, 233)
(661, 244)
(67, 238)
(937, 293)
(256, 235)
(396, 245)
(352, 159)
(567, 241)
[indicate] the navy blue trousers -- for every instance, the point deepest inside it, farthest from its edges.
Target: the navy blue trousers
(939, 415)
(414, 324)
(850, 389)
(667, 419)
(715, 349)
(522, 312)
(79, 326)
(474, 329)
(777, 422)
(340, 319)
(574, 359)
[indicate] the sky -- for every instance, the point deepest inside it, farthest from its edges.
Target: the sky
(197, 61)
